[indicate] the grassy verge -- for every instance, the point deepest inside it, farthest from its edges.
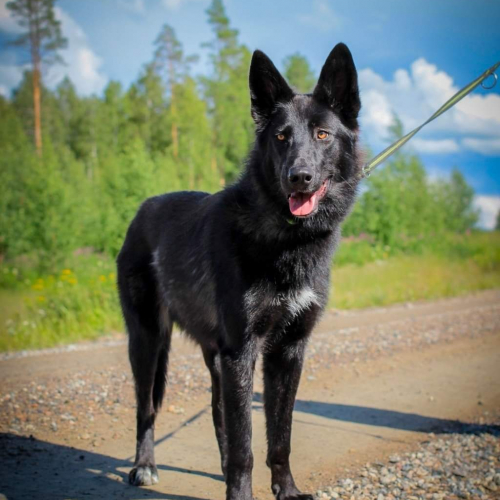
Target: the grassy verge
(365, 275)
(403, 279)
(79, 301)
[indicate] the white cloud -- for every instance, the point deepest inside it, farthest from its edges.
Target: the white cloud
(435, 146)
(416, 93)
(7, 23)
(321, 16)
(136, 6)
(82, 64)
(437, 173)
(377, 111)
(489, 207)
(489, 147)
(10, 74)
(175, 4)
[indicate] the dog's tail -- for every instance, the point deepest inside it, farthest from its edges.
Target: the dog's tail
(160, 379)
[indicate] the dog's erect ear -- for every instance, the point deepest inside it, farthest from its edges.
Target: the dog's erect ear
(267, 88)
(338, 85)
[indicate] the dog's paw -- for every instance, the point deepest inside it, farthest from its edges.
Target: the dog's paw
(143, 476)
(299, 496)
(290, 494)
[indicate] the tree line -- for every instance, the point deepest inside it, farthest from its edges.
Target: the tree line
(74, 169)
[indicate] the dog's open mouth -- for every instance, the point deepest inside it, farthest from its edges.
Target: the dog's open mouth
(304, 204)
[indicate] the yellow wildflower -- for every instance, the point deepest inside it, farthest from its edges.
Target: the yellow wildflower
(66, 271)
(102, 278)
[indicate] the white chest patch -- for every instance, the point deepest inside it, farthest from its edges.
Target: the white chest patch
(295, 301)
(301, 300)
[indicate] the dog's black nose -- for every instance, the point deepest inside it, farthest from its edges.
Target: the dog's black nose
(300, 177)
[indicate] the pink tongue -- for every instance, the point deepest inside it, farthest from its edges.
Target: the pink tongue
(302, 204)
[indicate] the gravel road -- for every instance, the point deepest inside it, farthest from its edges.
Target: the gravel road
(409, 395)
(464, 464)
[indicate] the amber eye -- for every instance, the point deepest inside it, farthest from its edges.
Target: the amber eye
(281, 137)
(322, 135)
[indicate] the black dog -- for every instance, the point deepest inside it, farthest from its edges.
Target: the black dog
(246, 270)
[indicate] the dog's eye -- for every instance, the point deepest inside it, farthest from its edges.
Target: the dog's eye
(322, 135)
(281, 137)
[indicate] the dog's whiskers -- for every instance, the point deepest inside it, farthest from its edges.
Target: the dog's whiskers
(347, 182)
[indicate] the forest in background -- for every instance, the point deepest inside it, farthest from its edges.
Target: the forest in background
(173, 130)
(103, 155)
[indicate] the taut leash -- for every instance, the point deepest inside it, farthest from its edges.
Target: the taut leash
(377, 160)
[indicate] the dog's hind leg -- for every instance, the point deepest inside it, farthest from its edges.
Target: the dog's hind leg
(149, 345)
(282, 369)
(212, 360)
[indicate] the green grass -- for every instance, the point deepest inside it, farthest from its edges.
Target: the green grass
(79, 301)
(12, 303)
(402, 279)
(365, 275)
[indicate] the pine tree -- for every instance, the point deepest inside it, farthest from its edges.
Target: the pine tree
(148, 109)
(51, 121)
(227, 94)
(170, 63)
(43, 39)
(115, 130)
(225, 48)
(195, 138)
(299, 74)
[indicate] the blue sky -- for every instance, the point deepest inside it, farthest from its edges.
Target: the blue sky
(411, 56)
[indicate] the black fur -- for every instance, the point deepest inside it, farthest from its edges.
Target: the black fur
(240, 274)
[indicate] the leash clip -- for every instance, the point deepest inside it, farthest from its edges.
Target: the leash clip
(495, 79)
(365, 171)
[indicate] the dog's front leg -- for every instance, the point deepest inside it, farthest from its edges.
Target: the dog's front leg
(237, 366)
(282, 370)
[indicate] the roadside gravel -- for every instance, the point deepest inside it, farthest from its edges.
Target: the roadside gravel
(462, 465)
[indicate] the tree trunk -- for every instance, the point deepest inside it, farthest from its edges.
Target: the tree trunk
(37, 111)
(36, 62)
(173, 108)
(175, 137)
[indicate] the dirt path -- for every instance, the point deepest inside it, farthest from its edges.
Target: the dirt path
(376, 382)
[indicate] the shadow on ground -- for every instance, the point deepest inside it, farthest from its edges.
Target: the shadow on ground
(388, 418)
(30, 469)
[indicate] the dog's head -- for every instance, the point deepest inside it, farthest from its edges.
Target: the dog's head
(307, 142)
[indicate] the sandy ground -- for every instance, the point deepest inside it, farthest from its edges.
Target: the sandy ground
(376, 382)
